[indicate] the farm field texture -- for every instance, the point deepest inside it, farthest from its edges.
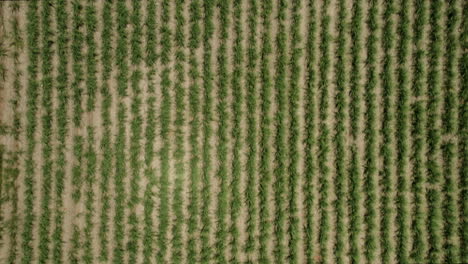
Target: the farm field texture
(233, 131)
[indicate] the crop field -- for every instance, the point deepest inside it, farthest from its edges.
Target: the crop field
(233, 131)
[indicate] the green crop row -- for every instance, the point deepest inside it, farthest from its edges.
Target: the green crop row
(179, 151)
(12, 168)
(434, 176)
(402, 133)
(449, 124)
(370, 172)
(340, 132)
(237, 113)
(32, 92)
(280, 137)
(150, 133)
(386, 131)
(91, 161)
(106, 163)
(310, 140)
(62, 127)
(355, 119)
(91, 63)
(194, 106)
(251, 105)
(208, 28)
(47, 89)
(324, 132)
(121, 54)
(222, 115)
(90, 153)
(78, 140)
(135, 130)
(294, 89)
(418, 121)
(265, 133)
(165, 120)
(463, 131)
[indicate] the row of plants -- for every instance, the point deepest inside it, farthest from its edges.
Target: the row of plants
(324, 132)
(449, 127)
(78, 139)
(136, 56)
(12, 167)
(4, 130)
(121, 60)
(402, 133)
(236, 130)
(355, 120)
(434, 174)
(386, 149)
(265, 170)
(90, 178)
(32, 92)
(90, 152)
(106, 163)
(91, 56)
(205, 229)
(78, 77)
(223, 121)
(179, 121)
(47, 85)
(165, 120)
(310, 134)
(280, 134)
(150, 131)
(418, 123)
(194, 134)
(370, 135)
(462, 131)
(340, 133)
(251, 136)
(294, 89)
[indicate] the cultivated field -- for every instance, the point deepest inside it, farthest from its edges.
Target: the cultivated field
(233, 131)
